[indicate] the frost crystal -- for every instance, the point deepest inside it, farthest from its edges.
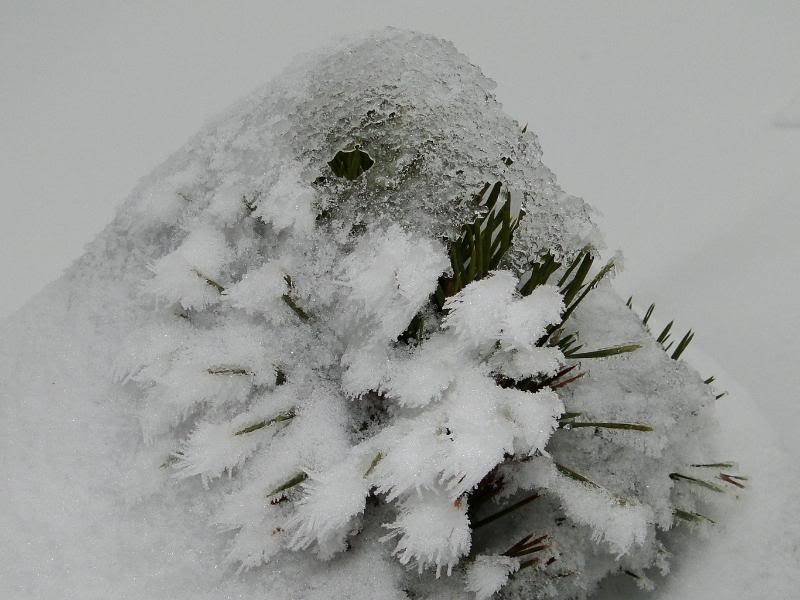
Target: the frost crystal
(487, 574)
(433, 531)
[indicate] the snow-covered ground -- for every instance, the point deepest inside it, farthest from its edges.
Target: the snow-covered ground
(662, 118)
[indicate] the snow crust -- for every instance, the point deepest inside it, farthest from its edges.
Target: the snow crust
(234, 331)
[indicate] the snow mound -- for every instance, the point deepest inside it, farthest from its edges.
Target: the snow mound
(244, 383)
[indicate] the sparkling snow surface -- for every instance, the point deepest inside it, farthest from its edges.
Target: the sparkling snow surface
(90, 513)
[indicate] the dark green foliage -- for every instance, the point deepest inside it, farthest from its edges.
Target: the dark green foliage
(683, 344)
(482, 244)
(576, 289)
(414, 331)
(665, 334)
(649, 313)
(539, 273)
(350, 164)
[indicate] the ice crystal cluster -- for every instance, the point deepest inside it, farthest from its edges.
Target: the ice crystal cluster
(310, 373)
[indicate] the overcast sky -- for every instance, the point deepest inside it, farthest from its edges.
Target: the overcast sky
(662, 115)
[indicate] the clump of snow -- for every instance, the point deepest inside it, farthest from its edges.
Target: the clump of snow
(391, 275)
(234, 354)
(260, 289)
(289, 202)
(331, 499)
(432, 530)
(478, 313)
(619, 522)
(487, 574)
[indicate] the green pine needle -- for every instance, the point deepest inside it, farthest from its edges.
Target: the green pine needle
(540, 273)
(609, 266)
(378, 458)
(290, 302)
(649, 313)
(683, 344)
(603, 352)
(626, 426)
(694, 481)
(290, 414)
(483, 243)
(691, 517)
(290, 483)
(719, 465)
(575, 475)
(664, 336)
(228, 371)
(568, 416)
(209, 281)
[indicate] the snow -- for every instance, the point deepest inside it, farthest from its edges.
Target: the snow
(260, 290)
(487, 574)
(477, 314)
(192, 370)
(331, 499)
(432, 530)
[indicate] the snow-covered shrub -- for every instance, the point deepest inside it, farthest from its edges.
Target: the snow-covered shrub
(379, 337)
